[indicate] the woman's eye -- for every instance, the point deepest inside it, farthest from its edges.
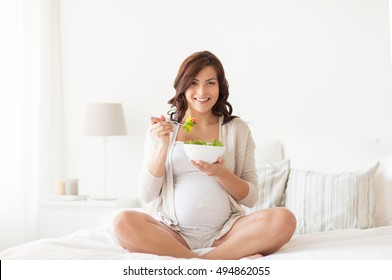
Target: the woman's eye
(194, 83)
(211, 83)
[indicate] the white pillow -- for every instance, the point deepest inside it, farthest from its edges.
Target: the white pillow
(334, 155)
(324, 202)
(272, 179)
(383, 193)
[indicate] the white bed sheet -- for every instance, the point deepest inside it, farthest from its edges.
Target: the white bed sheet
(99, 244)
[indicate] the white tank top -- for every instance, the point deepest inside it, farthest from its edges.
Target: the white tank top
(199, 200)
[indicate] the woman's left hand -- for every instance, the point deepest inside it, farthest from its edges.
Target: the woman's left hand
(234, 185)
(215, 169)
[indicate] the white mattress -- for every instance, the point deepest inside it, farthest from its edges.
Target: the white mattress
(99, 244)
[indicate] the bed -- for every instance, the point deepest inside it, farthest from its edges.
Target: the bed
(339, 190)
(99, 244)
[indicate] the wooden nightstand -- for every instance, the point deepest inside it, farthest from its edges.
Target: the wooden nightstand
(59, 218)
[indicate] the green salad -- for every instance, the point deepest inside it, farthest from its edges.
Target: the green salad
(188, 126)
(214, 142)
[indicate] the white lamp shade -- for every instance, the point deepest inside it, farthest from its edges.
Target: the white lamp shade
(105, 119)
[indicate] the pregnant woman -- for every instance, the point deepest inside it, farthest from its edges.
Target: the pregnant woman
(195, 204)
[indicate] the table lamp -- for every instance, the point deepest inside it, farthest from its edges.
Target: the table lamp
(105, 119)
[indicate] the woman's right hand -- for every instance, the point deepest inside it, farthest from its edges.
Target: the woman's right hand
(161, 129)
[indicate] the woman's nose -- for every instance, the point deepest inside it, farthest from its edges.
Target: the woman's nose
(201, 89)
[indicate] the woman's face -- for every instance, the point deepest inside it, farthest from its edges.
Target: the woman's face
(203, 93)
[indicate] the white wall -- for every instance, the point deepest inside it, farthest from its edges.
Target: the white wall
(301, 66)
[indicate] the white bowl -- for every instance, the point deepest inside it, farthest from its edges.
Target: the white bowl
(209, 154)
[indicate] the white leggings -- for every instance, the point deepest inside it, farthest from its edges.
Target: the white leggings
(198, 238)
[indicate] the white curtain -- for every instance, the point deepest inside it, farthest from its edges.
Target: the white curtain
(26, 123)
(50, 101)
(19, 87)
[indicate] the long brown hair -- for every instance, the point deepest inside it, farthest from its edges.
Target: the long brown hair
(187, 72)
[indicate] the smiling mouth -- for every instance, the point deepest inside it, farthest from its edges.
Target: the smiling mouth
(202, 99)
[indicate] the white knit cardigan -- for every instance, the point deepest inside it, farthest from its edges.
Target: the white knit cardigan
(157, 192)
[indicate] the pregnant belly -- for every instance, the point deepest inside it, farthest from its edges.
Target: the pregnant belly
(200, 201)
